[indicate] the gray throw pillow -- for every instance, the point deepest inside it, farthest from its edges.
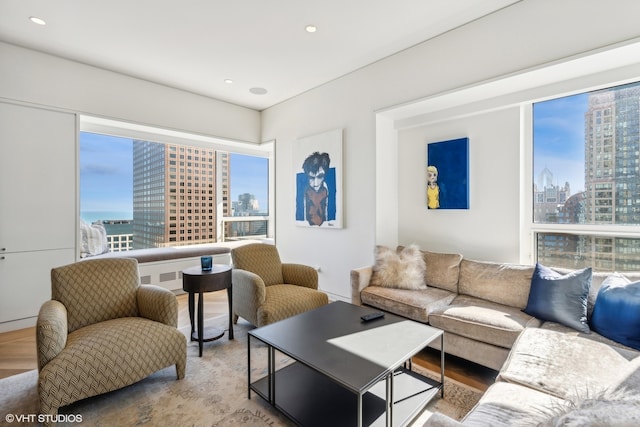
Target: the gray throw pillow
(560, 298)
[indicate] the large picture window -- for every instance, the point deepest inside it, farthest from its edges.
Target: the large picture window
(586, 195)
(150, 194)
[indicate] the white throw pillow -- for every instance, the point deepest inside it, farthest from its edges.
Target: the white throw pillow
(403, 270)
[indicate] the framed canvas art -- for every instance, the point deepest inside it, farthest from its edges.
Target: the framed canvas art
(317, 163)
(448, 174)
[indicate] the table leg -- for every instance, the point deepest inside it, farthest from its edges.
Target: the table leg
(191, 307)
(200, 321)
(272, 375)
(389, 411)
(359, 409)
(442, 365)
(248, 366)
(230, 298)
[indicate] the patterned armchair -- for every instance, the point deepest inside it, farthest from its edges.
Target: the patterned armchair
(102, 331)
(265, 290)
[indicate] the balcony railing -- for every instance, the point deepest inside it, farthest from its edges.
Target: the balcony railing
(244, 227)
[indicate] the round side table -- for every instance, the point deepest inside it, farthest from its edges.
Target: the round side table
(197, 281)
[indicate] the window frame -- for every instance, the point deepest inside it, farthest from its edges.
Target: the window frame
(528, 238)
(134, 131)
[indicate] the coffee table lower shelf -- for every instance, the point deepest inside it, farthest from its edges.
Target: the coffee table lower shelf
(311, 399)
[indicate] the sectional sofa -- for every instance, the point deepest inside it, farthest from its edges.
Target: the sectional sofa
(544, 366)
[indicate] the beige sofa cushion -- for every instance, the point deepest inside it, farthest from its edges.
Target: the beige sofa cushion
(563, 365)
(506, 284)
(414, 304)
(507, 405)
(482, 320)
(442, 270)
(628, 352)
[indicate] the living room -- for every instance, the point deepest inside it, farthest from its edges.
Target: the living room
(447, 87)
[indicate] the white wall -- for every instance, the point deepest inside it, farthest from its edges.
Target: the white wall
(528, 35)
(489, 229)
(41, 79)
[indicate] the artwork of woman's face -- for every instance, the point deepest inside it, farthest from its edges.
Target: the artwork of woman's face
(316, 179)
(432, 177)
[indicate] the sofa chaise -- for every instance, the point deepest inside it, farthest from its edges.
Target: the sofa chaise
(547, 370)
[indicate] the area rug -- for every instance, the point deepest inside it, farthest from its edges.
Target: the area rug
(213, 393)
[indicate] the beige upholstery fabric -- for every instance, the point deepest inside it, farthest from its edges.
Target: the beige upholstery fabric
(508, 405)
(415, 304)
(482, 320)
(443, 270)
(506, 284)
(535, 362)
(627, 352)
(265, 290)
(360, 279)
(479, 352)
(282, 301)
(92, 296)
(91, 339)
(260, 259)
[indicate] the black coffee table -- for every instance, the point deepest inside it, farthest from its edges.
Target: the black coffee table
(346, 372)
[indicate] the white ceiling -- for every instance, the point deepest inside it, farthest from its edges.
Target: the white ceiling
(195, 45)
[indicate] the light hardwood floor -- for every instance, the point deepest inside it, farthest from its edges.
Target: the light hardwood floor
(18, 348)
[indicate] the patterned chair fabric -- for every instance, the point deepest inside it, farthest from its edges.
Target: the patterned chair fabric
(265, 290)
(102, 331)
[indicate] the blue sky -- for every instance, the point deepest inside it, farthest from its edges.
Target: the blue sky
(558, 137)
(106, 174)
(247, 176)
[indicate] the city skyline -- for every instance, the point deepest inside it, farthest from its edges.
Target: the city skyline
(558, 137)
(106, 177)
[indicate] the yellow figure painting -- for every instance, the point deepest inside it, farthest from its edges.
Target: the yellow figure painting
(433, 190)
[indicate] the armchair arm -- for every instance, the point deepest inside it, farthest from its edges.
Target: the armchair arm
(248, 292)
(51, 331)
(158, 304)
(301, 275)
(360, 278)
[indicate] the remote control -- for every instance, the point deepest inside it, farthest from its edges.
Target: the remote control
(372, 316)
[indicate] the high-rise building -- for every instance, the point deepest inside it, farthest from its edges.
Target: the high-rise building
(549, 199)
(246, 205)
(612, 188)
(612, 172)
(612, 153)
(174, 194)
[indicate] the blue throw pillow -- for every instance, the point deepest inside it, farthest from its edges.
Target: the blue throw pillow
(560, 298)
(616, 313)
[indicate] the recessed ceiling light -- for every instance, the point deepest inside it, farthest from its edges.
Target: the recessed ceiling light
(311, 28)
(228, 81)
(37, 20)
(258, 90)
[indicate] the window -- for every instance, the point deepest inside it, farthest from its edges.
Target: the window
(248, 192)
(586, 155)
(131, 185)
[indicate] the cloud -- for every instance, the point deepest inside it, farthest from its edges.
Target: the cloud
(100, 169)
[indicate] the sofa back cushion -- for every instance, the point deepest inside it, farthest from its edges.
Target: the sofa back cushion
(506, 284)
(596, 282)
(442, 270)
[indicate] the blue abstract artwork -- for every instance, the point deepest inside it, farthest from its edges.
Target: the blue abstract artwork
(448, 174)
(318, 179)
